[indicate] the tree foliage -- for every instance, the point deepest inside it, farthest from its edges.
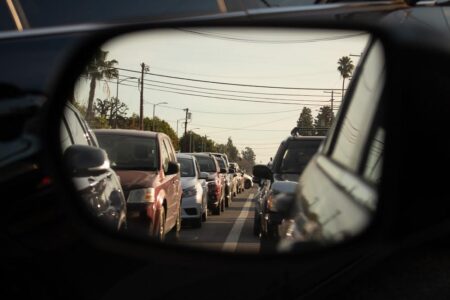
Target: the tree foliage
(323, 120)
(99, 68)
(305, 122)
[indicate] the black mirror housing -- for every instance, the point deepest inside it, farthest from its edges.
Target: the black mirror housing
(173, 168)
(223, 171)
(83, 160)
(262, 171)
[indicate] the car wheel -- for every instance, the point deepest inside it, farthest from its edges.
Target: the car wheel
(257, 225)
(174, 233)
(205, 215)
(160, 233)
(217, 209)
(228, 200)
(197, 223)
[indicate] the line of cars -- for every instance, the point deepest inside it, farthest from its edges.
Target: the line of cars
(135, 181)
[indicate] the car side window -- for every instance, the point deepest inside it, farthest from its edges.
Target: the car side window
(78, 134)
(66, 141)
(357, 120)
(197, 166)
(164, 157)
(170, 150)
(374, 162)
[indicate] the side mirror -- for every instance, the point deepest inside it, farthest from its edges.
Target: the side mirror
(83, 160)
(262, 171)
(203, 175)
(173, 168)
(284, 199)
(223, 171)
(231, 171)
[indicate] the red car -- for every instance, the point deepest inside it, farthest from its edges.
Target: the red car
(150, 177)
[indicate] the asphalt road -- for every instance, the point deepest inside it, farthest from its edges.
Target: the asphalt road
(231, 231)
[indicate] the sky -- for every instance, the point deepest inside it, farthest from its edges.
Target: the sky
(286, 69)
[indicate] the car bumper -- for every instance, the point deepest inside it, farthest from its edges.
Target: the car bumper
(191, 208)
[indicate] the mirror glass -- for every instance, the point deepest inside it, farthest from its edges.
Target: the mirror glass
(168, 112)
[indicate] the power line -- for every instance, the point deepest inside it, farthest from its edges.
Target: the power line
(229, 95)
(234, 91)
(234, 113)
(229, 83)
(231, 99)
(224, 37)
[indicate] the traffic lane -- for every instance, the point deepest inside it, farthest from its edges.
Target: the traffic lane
(231, 231)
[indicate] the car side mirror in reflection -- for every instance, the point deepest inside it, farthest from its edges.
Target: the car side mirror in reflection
(223, 171)
(83, 160)
(173, 168)
(204, 175)
(262, 171)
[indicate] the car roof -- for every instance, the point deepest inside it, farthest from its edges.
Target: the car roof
(304, 138)
(185, 155)
(129, 132)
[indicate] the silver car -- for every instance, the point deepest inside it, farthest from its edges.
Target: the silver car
(193, 182)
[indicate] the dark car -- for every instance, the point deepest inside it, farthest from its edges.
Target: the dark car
(216, 181)
(290, 160)
(150, 177)
(99, 186)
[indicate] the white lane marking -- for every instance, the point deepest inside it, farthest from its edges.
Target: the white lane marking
(233, 237)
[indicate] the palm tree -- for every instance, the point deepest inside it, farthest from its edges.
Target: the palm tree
(99, 68)
(345, 67)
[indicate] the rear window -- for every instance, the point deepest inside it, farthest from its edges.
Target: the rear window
(130, 152)
(221, 162)
(297, 155)
(206, 164)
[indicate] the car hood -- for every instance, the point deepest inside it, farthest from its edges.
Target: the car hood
(188, 182)
(131, 180)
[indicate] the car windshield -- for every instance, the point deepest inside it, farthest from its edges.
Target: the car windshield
(130, 152)
(206, 164)
(187, 167)
(297, 155)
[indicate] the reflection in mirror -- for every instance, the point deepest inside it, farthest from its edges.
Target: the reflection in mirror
(185, 116)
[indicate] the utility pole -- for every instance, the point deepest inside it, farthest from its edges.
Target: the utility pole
(144, 68)
(185, 130)
(332, 102)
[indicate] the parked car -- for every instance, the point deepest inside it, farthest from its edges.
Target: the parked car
(97, 183)
(216, 181)
(194, 201)
(150, 176)
(290, 160)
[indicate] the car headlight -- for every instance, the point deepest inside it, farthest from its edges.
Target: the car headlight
(146, 195)
(189, 192)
